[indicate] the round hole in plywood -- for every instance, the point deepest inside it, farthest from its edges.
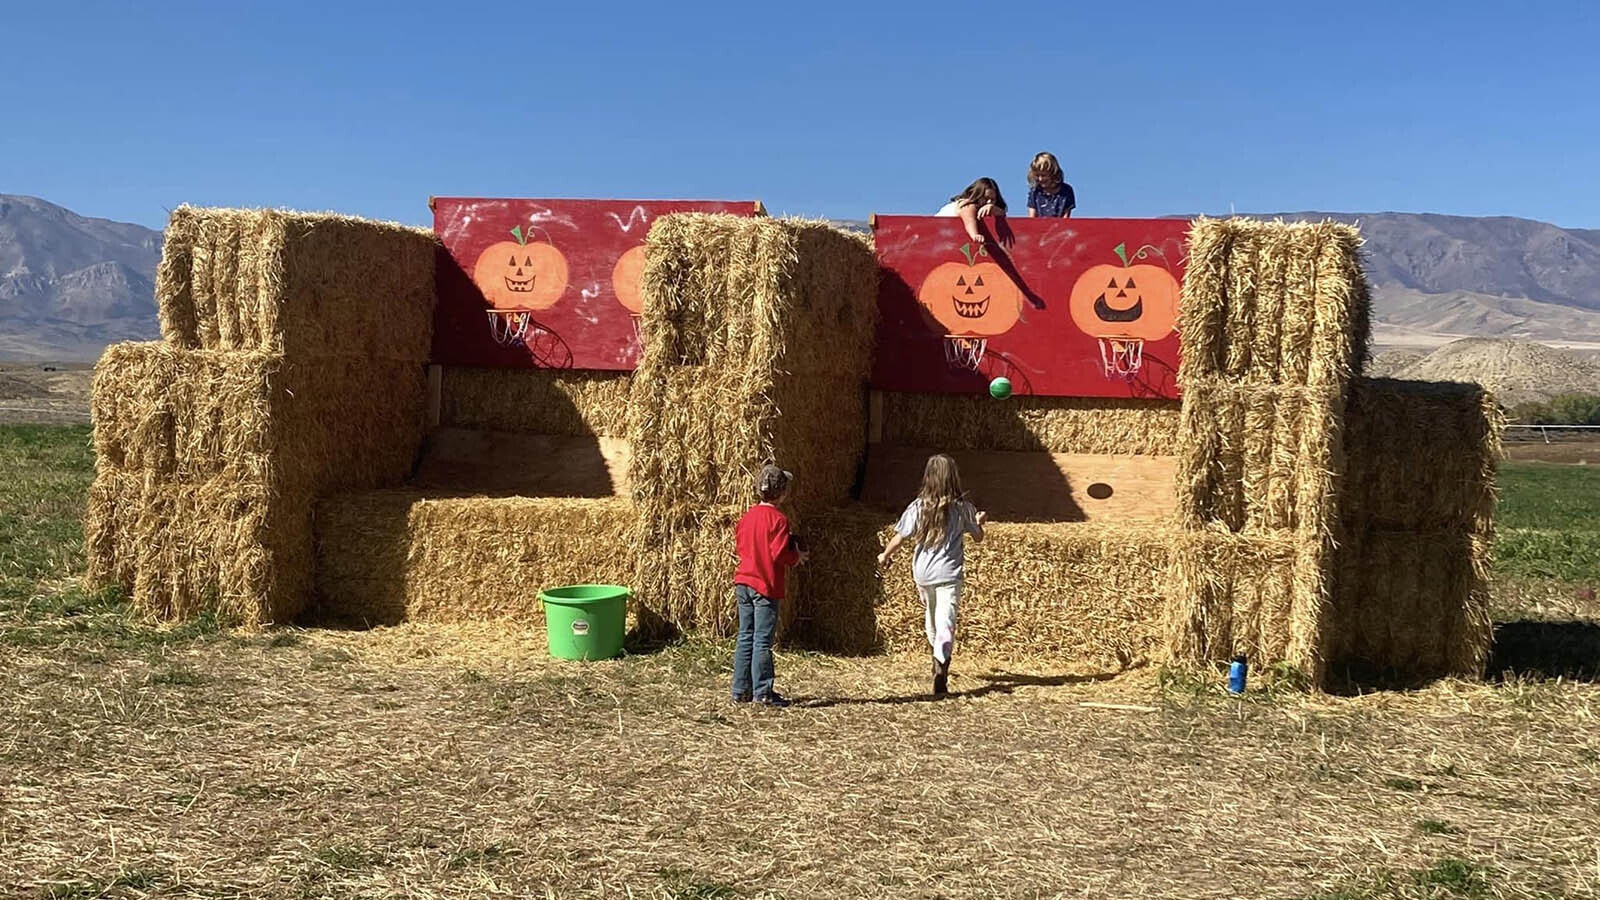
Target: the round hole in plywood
(1099, 490)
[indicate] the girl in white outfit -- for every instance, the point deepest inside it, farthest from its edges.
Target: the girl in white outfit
(937, 523)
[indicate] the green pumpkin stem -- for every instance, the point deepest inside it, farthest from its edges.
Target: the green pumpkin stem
(966, 250)
(517, 233)
(1122, 253)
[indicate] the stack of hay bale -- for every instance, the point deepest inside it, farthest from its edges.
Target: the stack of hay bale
(756, 334)
(1274, 327)
(291, 366)
(1417, 522)
(448, 551)
(757, 337)
(1086, 593)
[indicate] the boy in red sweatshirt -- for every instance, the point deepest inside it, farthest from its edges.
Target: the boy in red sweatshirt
(766, 550)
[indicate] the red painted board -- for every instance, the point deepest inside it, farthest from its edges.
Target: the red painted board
(556, 261)
(1049, 312)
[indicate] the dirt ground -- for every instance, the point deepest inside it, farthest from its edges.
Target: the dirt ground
(463, 762)
(1575, 448)
(44, 393)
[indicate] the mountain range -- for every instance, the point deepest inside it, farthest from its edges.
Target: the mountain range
(71, 284)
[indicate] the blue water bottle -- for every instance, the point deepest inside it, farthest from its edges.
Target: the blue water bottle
(1238, 673)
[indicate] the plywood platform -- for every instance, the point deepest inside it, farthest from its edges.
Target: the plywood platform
(1034, 486)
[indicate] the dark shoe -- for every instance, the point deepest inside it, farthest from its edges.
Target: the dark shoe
(742, 698)
(773, 699)
(941, 679)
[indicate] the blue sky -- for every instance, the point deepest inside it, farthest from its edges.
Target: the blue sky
(124, 110)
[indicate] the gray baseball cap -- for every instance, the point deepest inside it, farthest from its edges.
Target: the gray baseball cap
(773, 481)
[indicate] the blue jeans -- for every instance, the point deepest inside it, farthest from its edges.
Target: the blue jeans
(752, 652)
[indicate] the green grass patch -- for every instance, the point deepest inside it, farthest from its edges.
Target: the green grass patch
(42, 495)
(1435, 826)
(1447, 879)
(1548, 522)
(1548, 496)
(349, 858)
(142, 880)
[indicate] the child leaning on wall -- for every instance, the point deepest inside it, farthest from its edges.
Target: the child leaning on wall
(766, 551)
(937, 523)
(1048, 194)
(981, 200)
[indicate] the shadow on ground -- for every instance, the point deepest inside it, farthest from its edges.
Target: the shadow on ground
(1533, 649)
(996, 683)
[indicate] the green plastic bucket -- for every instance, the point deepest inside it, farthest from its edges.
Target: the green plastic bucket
(586, 621)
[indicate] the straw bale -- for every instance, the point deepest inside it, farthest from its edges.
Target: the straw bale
(1233, 593)
(1411, 572)
(1080, 594)
(208, 462)
(1411, 603)
(1422, 456)
(179, 549)
(192, 415)
(1257, 457)
(1273, 302)
(401, 555)
(302, 284)
(747, 322)
(684, 571)
(757, 335)
(1050, 424)
(174, 279)
(536, 401)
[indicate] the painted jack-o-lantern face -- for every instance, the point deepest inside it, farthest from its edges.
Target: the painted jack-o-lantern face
(971, 299)
(625, 279)
(1125, 302)
(521, 274)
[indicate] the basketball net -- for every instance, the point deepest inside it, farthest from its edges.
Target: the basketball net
(1121, 358)
(966, 352)
(508, 326)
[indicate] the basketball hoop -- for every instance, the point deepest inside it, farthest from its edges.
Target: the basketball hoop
(964, 352)
(509, 326)
(1121, 358)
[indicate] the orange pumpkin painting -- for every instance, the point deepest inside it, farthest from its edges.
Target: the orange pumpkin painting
(521, 274)
(974, 298)
(625, 279)
(1125, 303)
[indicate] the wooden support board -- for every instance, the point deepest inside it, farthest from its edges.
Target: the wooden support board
(1034, 486)
(524, 465)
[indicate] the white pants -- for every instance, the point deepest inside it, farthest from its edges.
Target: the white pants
(939, 603)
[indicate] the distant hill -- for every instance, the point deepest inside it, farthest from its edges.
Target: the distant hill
(1436, 277)
(69, 285)
(1516, 371)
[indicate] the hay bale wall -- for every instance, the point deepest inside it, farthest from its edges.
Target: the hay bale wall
(1411, 589)
(536, 401)
(400, 555)
(1049, 424)
(292, 368)
(756, 335)
(1085, 594)
(301, 284)
(208, 462)
(1274, 326)
(1077, 593)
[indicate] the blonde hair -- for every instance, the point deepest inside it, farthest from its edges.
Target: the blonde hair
(1044, 165)
(941, 489)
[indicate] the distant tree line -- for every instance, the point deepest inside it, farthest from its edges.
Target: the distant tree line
(1563, 409)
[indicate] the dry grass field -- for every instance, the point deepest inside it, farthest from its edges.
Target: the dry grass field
(195, 760)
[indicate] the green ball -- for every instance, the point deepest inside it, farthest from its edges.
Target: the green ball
(1000, 388)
